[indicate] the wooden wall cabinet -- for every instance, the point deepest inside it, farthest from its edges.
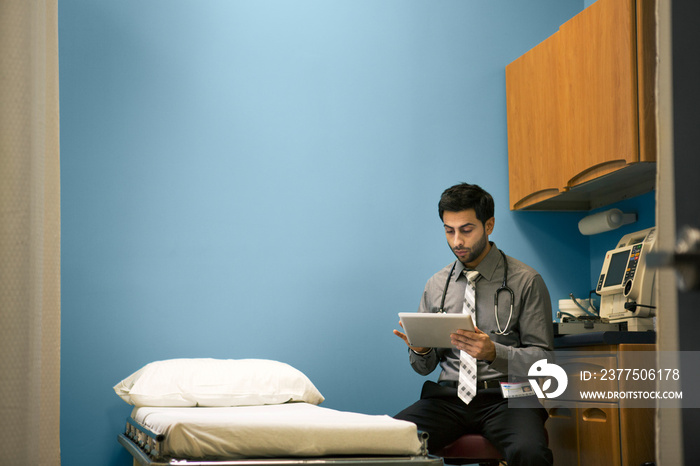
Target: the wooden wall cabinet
(581, 111)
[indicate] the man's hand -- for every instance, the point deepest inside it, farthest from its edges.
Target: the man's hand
(403, 336)
(476, 344)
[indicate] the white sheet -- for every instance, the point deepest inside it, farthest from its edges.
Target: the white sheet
(293, 429)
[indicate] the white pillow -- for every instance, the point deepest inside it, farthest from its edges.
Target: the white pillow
(216, 382)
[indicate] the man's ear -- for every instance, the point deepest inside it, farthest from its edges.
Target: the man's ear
(489, 225)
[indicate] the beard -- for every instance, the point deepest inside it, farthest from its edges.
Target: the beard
(472, 253)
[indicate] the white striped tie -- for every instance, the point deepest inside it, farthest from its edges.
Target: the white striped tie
(467, 364)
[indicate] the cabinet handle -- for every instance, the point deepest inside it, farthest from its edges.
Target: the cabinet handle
(534, 198)
(595, 171)
(595, 415)
(564, 413)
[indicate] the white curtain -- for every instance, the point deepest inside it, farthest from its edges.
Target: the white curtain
(30, 226)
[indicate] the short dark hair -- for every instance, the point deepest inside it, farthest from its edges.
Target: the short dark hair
(466, 196)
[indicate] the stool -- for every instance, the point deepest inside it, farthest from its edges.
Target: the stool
(468, 449)
(472, 448)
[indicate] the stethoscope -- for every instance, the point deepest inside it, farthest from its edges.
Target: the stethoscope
(503, 287)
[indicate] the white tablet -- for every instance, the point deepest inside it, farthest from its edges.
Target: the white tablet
(432, 330)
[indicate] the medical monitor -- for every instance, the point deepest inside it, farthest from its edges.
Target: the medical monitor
(625, 284)
(623, 264)
(616, 268)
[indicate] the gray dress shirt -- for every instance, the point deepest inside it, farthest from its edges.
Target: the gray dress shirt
(531, 330)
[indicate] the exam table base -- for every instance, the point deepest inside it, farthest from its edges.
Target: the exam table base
(143, 459)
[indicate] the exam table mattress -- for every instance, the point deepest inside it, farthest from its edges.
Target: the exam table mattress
(283, 430)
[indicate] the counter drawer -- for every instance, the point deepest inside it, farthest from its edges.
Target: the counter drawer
(595, 370)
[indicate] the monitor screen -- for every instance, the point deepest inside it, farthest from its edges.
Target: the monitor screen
(616, 269)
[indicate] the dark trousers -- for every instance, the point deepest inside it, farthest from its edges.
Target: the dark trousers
(517, 432)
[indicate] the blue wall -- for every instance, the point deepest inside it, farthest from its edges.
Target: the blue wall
(260, 178)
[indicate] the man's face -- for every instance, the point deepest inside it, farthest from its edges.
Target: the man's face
(467, 236)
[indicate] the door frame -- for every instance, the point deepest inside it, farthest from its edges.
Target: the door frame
(677, 194)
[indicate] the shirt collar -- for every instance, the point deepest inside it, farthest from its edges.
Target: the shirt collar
(487, 267)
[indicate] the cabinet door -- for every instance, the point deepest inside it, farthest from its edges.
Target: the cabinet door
(600, 121)
(533, 112)
(599, 434)
(637, 424)
(563, 432)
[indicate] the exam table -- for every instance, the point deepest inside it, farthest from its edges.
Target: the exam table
(253, 412)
